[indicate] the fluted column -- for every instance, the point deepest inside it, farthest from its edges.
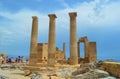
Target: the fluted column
(34, 41)
(73, 41)
(52, 40)
(64, 50)
(86, 49)
(78, 49)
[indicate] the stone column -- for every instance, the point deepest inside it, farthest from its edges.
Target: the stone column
(86, 49)
(73, 41)
(34, 41)
(78, 49)
(64, 50)
(51, 41)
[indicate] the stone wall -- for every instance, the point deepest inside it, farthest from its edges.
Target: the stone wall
(59, 55)
(113, 68)
(43, 53)
(92, 52)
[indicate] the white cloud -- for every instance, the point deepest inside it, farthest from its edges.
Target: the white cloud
(20, 26)
(63, 3)
(22, 21)
(5, 37)
(94, 13)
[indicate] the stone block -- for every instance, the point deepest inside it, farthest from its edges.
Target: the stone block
(27, 72)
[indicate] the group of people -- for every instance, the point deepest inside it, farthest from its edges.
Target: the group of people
(18, 59)
(10, 60)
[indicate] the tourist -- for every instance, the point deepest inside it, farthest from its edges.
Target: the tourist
(21, 59)
(12, 60)
(3, 60)
(27, 61)
(7, 59)
(0, 60)
(18, 59)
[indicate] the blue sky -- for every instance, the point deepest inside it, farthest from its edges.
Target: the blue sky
(99, 20)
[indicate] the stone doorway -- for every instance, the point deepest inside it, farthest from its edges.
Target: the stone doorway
(82, 49)
(83, 40)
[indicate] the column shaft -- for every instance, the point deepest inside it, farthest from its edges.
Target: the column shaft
(86, 50)
(34, 41)
(78, 49)
(52, 40)
(73, 41)
(64, 50)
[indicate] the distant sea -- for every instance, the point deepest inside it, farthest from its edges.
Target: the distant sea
(15, 56)
(117, 59)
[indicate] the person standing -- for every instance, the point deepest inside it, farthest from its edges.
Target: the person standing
(0, 60)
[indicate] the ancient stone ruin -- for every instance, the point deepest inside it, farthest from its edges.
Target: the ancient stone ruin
(48, 52)
(40, 52)
(90, 50)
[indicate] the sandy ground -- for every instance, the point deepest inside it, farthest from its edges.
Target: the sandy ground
(14, 74)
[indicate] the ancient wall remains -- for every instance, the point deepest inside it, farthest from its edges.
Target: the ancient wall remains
(59, 55)
(43, 53)
(113, 68)
(47, 51)
(92, 52)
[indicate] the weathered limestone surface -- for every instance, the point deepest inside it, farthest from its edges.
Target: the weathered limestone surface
(42, 52)
(42, 55)
(34, 40)
(113, 68)
(64, 50)
(52, 40)
(59, 55)
(73, 40)
(92, 52)
(86, 48)
(85, 41)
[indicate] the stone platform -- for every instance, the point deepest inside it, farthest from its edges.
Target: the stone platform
(45, 67)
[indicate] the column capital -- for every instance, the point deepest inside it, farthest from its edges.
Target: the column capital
(34, 17)
(52, 15)
(73, 14)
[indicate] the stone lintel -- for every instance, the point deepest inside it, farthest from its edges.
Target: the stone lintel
(52, 16)
(73, 14)
(92, 43)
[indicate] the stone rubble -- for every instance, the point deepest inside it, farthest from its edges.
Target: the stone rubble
(3, 77)
(86, 72)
